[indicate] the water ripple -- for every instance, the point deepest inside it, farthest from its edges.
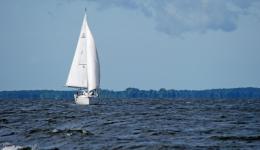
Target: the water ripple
(130, 124)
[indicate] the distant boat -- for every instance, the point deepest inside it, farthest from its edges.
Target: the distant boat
(85, 69)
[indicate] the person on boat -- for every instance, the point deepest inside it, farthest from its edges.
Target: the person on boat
(91, 93)
(84, 93)
(77, 94)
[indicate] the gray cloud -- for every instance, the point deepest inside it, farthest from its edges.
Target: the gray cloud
(175, 17)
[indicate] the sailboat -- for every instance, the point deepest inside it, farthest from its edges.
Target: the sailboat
(84, 74)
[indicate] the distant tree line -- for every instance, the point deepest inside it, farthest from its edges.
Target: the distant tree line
(134, 93)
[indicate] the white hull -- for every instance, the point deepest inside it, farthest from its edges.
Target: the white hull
(82, 99)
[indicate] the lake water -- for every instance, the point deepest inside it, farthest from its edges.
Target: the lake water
(130, 124)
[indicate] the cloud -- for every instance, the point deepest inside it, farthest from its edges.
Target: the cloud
(175, 17)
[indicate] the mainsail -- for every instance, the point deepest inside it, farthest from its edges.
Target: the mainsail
(85, 69)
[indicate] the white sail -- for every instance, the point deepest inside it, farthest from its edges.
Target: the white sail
(93, 71)
(84, 71)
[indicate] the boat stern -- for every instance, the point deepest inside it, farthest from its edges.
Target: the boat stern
(82, 99)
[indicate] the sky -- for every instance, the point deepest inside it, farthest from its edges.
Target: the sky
(146, 44)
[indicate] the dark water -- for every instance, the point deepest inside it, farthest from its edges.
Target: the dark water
(130, 124)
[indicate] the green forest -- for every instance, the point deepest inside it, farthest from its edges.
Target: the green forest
(134, 93)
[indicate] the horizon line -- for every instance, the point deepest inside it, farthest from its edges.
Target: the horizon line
(134, 88)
